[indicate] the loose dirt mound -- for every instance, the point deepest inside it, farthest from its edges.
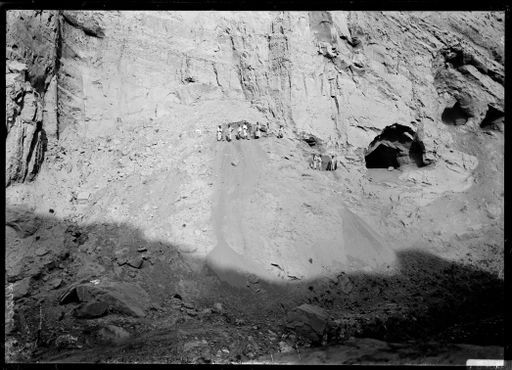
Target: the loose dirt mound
(257, 232)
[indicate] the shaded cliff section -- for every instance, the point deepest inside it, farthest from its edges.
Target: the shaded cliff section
(31, 64)
(33, 54)
(26, 140)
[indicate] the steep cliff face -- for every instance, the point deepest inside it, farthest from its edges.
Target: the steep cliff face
(111, 126)
(335, 80)
(32, 55)
(342, 77)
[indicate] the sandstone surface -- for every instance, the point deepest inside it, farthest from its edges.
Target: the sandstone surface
(114, 172)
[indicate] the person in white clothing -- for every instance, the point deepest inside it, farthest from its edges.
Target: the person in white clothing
(229, 135)
(219, 133)
(280, 132)
(257, 134)
(244, 132)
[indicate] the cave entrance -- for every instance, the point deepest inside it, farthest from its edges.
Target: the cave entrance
(494, 119)
(454, 56)
(395, 146)
(416, 152)
(383, 156)
(455, 115)
(311, 140)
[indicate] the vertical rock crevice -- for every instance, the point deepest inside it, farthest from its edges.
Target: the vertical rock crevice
(280, 67)
(32, 60)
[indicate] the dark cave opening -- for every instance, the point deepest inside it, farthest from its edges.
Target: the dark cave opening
(455, 57)
(494, 119)
(455, 115)
(395, 146)
(383, 156)
(416, 152)
(311, 140)
(38, 81)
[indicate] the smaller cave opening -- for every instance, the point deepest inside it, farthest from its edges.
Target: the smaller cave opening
(38, 82)
(454, 56)
(497, 55)
(416, 153)
(455, 115)
(355, 42)
(70, 297)
(311, 140)
(494, 119)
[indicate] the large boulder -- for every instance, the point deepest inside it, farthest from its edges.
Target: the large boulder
(23, 222)
(21, 288)
(91, 310)
(99, 299)
(113, 334)
(309, 321)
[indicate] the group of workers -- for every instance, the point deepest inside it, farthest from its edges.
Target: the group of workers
(332, 164)
(243, 131)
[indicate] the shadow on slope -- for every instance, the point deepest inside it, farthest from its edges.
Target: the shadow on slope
(426, 296)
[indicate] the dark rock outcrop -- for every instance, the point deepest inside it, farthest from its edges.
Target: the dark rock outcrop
(91, 310)
(308, 321)
(32, 55)
(22, 222)
(32, 38)
(97, 300)
(91, 26)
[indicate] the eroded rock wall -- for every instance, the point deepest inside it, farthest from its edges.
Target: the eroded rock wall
(333, 79)
(31, 64)
(341, 76)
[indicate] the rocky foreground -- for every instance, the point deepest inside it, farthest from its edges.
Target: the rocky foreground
(132, 235)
